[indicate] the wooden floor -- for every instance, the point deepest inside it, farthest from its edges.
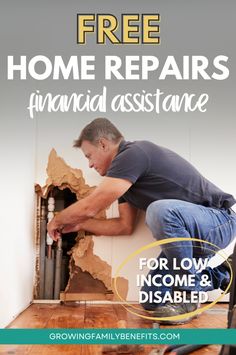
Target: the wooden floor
(98, 316)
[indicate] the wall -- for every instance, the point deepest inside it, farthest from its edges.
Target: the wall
(17, 177)
(17, 213)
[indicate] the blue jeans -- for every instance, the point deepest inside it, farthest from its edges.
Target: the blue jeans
(174, 219)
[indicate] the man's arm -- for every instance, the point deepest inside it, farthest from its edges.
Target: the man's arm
(122, 225)
(109, 190)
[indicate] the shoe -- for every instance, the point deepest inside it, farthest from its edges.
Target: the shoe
(226, 281)
(175, 309)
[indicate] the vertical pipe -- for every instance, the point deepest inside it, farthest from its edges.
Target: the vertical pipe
(37, 247)
(49, 276)
(64, 272)
(57, 285)
(49, 262)
(43, 226)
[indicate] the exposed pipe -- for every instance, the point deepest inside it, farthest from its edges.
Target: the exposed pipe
(49, 276)
(43, 226)
(49, 261)
(51, 208)
(57, 285)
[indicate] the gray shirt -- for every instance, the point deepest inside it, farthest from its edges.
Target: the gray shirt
(158, 173)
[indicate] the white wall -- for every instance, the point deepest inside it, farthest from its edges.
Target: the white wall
(17, 261)
(17, 170)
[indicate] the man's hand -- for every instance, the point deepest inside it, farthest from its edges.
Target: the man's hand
(53, 230)
(72, 228)
(71, 218)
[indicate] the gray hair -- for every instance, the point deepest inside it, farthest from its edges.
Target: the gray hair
(97, 129)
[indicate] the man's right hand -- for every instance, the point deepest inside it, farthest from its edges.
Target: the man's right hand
(53, 230)
(72, 228)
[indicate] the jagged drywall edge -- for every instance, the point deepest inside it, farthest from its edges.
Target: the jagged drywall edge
(63, 176)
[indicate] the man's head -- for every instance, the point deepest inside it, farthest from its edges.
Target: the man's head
(99, 141)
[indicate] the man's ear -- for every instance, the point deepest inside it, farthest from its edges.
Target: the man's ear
(103, 144)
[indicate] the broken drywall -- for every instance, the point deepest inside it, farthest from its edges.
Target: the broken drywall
(87, 270)
(63, 176)
(82, 256)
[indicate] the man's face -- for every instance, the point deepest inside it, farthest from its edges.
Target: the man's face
(99, 156)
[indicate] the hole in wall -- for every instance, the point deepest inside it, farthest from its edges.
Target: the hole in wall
(49, 253)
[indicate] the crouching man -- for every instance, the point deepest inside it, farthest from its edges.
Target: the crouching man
(179, 203)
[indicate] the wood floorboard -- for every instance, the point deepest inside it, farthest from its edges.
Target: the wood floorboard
(132, 320)
(56, 349)
(75, 315)
(35, 316)
(67, 317)
(100, 316)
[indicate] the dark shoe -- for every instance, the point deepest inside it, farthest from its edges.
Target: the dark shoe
(175, 309)
(226, 281)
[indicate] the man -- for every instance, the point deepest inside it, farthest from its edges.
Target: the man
(178, 200)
